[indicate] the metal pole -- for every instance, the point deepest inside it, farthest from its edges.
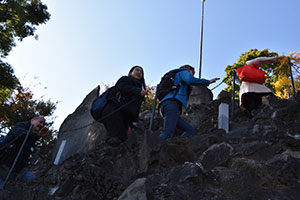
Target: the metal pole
(233, 93)
(291, 73)
(201, 39)
(153, 111)
(17, 157)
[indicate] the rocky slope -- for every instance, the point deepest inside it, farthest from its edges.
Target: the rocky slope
(258, 159)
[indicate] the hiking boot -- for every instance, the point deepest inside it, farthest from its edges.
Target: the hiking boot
(113, 141)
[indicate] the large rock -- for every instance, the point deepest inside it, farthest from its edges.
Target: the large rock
(200, 95)
(225, 97)
(137, 190)
(156, 154)
(216, 155)
(79, 129)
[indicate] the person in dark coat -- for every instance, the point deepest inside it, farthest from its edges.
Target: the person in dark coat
(124, 103)
(14, 140)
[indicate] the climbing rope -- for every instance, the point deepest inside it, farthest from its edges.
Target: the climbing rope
(220, 83)
(87, 125)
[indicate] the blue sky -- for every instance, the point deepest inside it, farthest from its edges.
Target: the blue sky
(94, 42)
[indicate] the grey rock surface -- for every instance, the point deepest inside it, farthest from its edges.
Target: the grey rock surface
(79, 129)
(248, 163)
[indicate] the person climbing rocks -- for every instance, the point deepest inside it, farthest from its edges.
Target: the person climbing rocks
(170, 106)
(13, 142)
(253, 88)
(123, 105)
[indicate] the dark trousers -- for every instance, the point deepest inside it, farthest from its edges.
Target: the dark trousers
(170, 110)
(115, 122)
(252, 100)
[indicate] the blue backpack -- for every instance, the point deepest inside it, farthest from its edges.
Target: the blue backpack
(98, 105)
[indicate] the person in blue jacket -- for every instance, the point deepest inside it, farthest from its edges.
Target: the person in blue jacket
(170, 105)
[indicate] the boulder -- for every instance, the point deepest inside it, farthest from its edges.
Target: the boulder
(200, 95)
(79, 130)
(137, 190)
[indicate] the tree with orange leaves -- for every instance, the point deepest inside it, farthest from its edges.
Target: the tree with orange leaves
(19, 105)
(283, 84)
(269, 68)
(277, 74)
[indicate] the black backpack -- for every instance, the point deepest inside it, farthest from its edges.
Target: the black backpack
(98, 105)
(166, 84)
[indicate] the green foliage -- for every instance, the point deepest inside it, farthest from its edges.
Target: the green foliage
(8, 81)
(7, 78)
(149, 100)
(271, 70)
(18, 20)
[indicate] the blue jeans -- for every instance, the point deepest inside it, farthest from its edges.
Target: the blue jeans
(28, 175)
(170, 111)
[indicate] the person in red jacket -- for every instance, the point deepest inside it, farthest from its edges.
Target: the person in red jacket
(251, 93)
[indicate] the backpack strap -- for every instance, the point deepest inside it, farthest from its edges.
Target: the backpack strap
(180, 84)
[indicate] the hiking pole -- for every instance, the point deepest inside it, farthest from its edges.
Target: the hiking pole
(16, 159)
(153, 111)
(291, 73)
(233, 93)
